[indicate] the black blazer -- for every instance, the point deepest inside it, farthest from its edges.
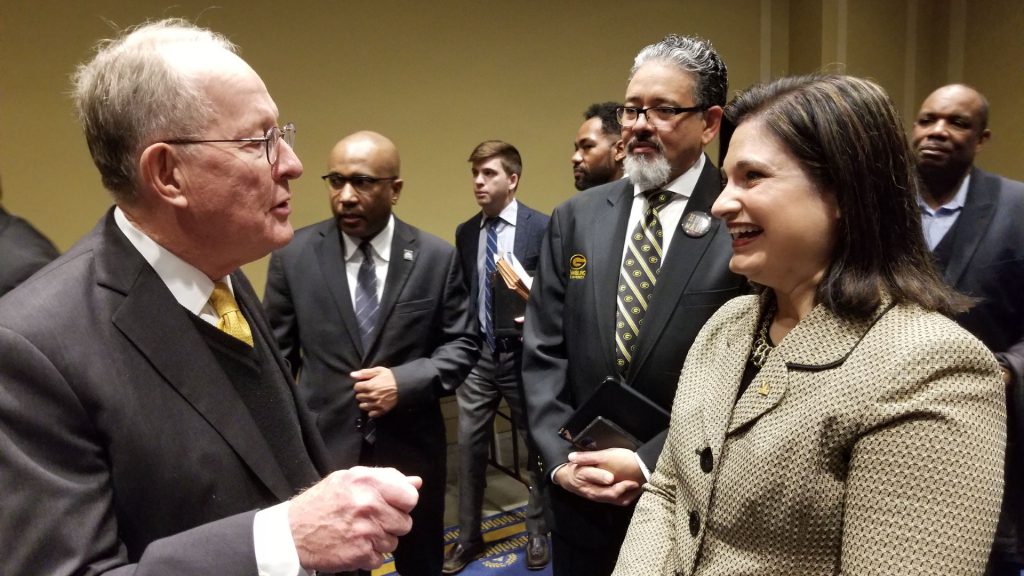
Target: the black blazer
(983, 256)
(23, 251)
(530, 228)
(424, 335)
(121, 438)
(570, 330)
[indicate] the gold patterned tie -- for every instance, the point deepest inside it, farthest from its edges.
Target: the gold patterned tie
(231, 320)
(640, 268)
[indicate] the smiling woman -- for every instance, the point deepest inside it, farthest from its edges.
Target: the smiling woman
(811, 411)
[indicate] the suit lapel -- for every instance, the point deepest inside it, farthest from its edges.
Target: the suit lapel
(332, 270)
(820, 341)
(719, 401)
(606, 249)
(471, 244)
(523, 232)
(970, 227)
(148, 316)
(258, 322)
(684, 255)
(403, 260)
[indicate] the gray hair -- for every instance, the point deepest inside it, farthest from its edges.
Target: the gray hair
(694, 56)
(129, 96)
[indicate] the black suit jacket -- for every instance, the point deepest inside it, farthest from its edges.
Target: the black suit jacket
(23, 251)
(122, 440)
(983, 256)
(570, 328)
(530, 228)
(424, 335)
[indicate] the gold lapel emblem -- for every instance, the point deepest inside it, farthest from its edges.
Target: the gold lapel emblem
(577, 267)
(764, 389)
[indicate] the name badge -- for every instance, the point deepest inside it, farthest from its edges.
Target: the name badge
(697, 224)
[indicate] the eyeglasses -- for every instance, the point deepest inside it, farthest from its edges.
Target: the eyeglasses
(361, 183)
(660, 116)
(272, 139)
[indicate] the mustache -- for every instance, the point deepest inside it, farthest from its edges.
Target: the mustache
(637, 140)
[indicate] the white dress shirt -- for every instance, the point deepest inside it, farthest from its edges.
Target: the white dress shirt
(381, 244)
(506, 232)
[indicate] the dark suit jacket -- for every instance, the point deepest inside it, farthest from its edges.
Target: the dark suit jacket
(530, 228)
(23, 251)
(121, 438)
(570, 328)
(983, 256)
(424, 335)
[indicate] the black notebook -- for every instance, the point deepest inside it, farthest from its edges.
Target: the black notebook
(507, 307)
(615, 416)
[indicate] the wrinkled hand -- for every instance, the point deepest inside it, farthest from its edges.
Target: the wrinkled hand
(376, 390)
(351, 518)
(611, 476)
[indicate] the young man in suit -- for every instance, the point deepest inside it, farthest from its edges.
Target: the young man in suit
(503, 225)
(583, 320)
(147, 421)
(972, 222)
(373, 315)
(599, 150)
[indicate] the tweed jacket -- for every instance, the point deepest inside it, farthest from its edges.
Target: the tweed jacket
(866, 447)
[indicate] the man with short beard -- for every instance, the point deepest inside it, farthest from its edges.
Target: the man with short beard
(628, 274)
(599, 150)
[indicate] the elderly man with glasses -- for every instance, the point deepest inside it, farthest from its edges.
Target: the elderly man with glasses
(148, 423)
(374, 318)
(629, 273)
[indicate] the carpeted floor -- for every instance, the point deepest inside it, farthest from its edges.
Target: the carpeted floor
(505, 535)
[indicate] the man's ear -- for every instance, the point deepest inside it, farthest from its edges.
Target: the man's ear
(982, 139)
(396, 191)
(619, 150)
(712, 123)
(160, 174)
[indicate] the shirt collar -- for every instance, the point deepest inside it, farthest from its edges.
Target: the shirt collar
(684, 184)
(189, 286)
(955, 203)
(508, 214)
(381, 243)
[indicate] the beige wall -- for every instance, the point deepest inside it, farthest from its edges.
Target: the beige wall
(438, 77)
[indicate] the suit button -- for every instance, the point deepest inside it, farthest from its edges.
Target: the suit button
(707, 461)
(694, 523)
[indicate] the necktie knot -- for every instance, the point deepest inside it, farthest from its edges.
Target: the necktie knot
(367, 249)
(657, 199)
(230, 318)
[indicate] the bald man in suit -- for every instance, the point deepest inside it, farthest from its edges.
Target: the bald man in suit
(373, 315)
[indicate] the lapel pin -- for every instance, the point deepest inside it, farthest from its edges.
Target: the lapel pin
(407, 255)
(697, 224)
(763, 389)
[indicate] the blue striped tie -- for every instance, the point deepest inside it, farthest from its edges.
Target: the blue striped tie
(490, 267)
(366, 295)
(366, 315)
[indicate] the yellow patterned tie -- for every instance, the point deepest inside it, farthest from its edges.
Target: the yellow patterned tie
(231, 320)
(640, 268)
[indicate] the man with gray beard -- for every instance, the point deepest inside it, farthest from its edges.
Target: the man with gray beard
(643, 247)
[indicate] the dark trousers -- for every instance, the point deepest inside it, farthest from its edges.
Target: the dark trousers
(421, 551)
(495, 376)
